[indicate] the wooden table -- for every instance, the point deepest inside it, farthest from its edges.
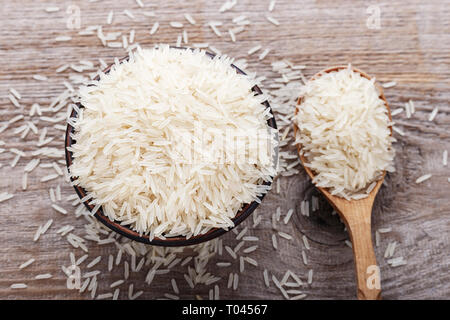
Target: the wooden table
(411, 46)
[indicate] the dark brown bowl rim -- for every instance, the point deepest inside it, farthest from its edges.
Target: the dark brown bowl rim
(169, 241)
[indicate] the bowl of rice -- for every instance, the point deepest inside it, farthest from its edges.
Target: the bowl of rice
(171, 146)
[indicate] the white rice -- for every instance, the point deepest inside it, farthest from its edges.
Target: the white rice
(412, 107)
(284, 235)
(149, 13)
(254, 49)
(59, 209)
(396, 111)
(310, 276)
(389, 84)
(399, 131)
(110, 17)
(377, 238)
(274, 241)
(126, 270)
(306, 242)
(154, 28)
(62, 39)
(213, 26)
(232, 35)
(266, 278)
(5, 196)
(15, 119)
(272, 5)
(116, 283)
(176, 24)
(24, 181)
(263, 55)
(116, 294)
(213, 212)
(235, 281)
(407, 110)
(231, 252)
(15, 161)
(250, 249)
(81, 259)
(94, 262)
(288, 216)
(129, 14)
(26, 263)
(51, 9)
(305, 259)
(14, 100)
(348, 243)
(384, 230)
(273, 20)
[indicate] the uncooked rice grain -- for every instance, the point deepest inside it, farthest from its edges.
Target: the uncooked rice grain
(250, 238)
(26, 263)
(305, 259)
(348, 165)
(284, 235)
(306, 242)
(433, 114)
(212, 211)
(310, 276)
(423, 178)
(274, 241)
(189, 18)
(154, 28)
(389, 84)
(235, 281)
(273, 20)
(175, 24)
(254, 49)
(384, 230)
(49, 177)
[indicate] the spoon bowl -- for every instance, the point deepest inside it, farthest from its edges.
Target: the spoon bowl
(175, 241)
(356, 214)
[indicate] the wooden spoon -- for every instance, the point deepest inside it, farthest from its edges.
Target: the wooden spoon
(356, 215)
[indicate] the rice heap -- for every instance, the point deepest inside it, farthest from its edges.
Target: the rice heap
(344, 133)
(152, 142)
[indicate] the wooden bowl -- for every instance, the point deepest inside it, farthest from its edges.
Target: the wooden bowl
(356, 214)
(126, 231)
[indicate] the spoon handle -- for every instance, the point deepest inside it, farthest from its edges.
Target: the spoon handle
(367, 271)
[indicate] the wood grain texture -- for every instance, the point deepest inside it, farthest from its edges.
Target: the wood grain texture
(412, 47)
